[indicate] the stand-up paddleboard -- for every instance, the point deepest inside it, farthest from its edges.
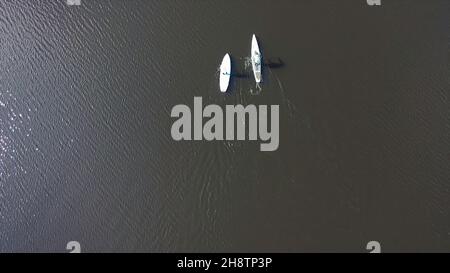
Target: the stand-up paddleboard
(225, 73)
(256, 60)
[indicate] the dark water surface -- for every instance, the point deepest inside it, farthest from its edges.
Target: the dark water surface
(86, 152)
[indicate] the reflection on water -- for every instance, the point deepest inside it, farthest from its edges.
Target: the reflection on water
(14, 127)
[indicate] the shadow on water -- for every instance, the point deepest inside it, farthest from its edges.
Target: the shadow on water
(236, 75)
(275, 64)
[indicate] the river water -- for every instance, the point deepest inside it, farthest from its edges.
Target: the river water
(86, 152)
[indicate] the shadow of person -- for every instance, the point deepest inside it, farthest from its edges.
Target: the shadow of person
(278, 64)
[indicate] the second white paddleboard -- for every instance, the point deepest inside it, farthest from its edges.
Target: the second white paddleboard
(225, 73)
(256, 60)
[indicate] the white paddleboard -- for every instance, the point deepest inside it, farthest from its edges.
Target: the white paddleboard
(225, 73)
(256, 60)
